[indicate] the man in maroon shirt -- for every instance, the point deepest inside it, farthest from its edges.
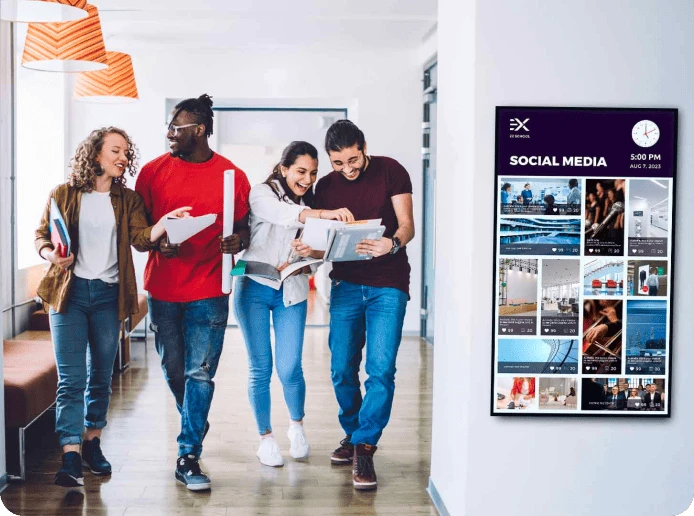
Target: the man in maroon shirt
(368, 298)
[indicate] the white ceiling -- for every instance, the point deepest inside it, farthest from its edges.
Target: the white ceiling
(223, 23)
(560, 272)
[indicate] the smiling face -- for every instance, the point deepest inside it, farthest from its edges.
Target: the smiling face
(350, 161)
(184, 134)
(301, 174)
(113, 157)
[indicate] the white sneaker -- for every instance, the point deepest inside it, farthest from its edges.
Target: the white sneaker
(269, 453)
(299, 447)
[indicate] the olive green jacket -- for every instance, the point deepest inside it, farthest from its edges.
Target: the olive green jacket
(132, 228)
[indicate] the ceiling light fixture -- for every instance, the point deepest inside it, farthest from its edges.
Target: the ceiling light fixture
(42, 11)
(76, 46)
(111, 85)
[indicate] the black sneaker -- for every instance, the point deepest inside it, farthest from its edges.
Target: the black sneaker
(70, 475)
(344, 454)
(93, 459)
(188, 473)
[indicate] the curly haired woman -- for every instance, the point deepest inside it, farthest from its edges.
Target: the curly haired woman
(92, 289)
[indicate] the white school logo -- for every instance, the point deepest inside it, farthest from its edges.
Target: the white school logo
(517, 124)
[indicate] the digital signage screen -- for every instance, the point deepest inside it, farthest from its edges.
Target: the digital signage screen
(583, 263)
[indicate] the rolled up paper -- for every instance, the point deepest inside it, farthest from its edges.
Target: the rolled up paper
(228, 228)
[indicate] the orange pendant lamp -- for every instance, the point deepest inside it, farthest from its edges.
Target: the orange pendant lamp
(76, 46)
(42, 11)
(114, 84)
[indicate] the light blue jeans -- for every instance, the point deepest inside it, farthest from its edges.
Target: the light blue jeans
(372, 316)
(85, 338)
(189, 338)
(253, 304)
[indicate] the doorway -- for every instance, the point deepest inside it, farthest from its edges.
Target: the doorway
(429, 223)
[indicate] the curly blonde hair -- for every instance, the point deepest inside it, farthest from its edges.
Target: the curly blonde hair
(85, 167)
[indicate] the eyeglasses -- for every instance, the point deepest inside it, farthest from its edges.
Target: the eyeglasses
(170, 128)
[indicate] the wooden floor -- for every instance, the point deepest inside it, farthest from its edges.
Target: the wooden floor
(140, 442)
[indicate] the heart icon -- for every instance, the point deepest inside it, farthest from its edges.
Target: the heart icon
(633, 251)
(554, 249)
(631, 368)
(637, 404)
(587, 368)
(590, 250)
(503, 329)
(551, 368)
(554, 210)
(546, 330)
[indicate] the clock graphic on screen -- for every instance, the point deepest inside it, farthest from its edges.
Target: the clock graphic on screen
(645, 133)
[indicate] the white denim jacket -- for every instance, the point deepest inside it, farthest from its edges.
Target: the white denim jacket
(274, 224)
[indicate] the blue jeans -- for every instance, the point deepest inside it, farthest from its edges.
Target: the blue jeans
(372, 316)
(189, 338)
(85, 338)
(253, 303)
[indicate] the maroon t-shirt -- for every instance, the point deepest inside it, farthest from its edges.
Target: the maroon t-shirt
(369, 197)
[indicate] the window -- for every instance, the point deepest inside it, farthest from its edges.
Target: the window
(40, 134)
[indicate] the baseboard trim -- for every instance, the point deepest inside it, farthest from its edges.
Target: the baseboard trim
(436, 498)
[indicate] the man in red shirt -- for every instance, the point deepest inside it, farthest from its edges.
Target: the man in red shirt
(368, 298)
(188, 309)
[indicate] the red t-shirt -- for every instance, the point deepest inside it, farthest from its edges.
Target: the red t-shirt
(167, 183)
(369, 197)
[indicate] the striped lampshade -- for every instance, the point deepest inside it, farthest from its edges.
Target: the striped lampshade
(42, 11)
(114, 84)
(75, 46)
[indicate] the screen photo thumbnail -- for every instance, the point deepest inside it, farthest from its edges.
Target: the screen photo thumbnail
(517, 298)
(604, 214)
(537, 356)
(560, 291)
(540, 196)
(649, 207)
(603, 277)
(516, 393)
(645, 336)
(539, 236)
(647, 278)
(602, 336)
(623, 394)
(558, 394)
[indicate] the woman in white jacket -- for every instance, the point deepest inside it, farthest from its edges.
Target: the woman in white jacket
(279, 208)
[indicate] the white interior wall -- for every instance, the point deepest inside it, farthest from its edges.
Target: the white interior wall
(521, 285)
(589, 53)
(381, 89)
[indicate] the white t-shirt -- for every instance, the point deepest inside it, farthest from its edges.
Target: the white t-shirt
(652, 280)
(97, 257)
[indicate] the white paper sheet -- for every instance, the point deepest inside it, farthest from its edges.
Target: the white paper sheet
(180, 230)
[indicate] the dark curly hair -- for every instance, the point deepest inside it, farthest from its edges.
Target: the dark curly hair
(85, 167)
(289, 157)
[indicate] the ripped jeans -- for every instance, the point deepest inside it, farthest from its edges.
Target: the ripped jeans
(189, 338)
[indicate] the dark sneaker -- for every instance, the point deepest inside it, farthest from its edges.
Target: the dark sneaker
(363, 472)
(93, 459)
(70, 475)
(344, 454)
(188, 473)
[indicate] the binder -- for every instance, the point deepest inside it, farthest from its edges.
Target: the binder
(58, 229)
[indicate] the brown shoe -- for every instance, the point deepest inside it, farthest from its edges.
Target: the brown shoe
(363, 472)
(344, 454)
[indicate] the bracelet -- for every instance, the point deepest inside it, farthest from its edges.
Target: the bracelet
(320, 214)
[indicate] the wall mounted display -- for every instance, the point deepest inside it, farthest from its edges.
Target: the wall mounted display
(583, 276)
